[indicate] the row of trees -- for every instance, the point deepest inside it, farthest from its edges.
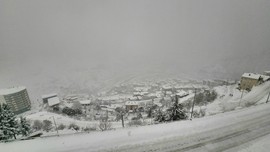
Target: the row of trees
(71, 112)
(45, 125)
(9, 126)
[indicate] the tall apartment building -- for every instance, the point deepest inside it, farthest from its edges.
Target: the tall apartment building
(16, 98)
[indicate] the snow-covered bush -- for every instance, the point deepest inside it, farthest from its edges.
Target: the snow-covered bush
(160, 116)
(74, 126)
(104, 125)
(61, 127)
(71, 112)
(37, 125)
(47, 125)
(90, 128)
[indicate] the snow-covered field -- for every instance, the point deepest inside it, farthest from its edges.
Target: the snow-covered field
(65, 120)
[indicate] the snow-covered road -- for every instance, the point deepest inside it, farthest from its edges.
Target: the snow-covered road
(222, 132)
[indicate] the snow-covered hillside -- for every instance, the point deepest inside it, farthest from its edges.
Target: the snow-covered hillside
(158, 137)
(229, 98)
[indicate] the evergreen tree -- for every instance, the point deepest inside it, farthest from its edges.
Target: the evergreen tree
(150, 110)
(176, 112)
(8, 124)
(139, 115)
(159, 116)
(24, 127)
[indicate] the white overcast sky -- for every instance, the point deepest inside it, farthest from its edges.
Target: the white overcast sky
(191, 36)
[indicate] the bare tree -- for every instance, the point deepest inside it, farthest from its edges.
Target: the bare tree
(104, 125)
(120, 112)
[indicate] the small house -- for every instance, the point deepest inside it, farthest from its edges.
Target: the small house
(53, 102)
(85, 102)
(248, 80)
(131, 105)
(48, 96)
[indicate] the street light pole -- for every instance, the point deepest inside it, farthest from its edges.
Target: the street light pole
(241, 98)
(55, 126)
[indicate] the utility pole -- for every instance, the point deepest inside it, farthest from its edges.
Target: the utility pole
(55, 126)
(193, 105)
(121, 113)
(268, 97)
(241, 97)
(122, 118)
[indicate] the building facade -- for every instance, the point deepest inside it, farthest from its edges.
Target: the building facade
(48, 96)
(248, 80)
(131, 106)
(16, 98)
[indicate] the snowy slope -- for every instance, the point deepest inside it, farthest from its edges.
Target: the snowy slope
(61, 119)
(226, 102)
(140, 135)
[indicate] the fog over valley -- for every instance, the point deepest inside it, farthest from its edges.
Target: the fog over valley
(87, 46)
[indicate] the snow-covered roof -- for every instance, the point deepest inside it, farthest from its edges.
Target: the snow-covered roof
(167, 98)
(167, 87)
(112, 98)
(83, 102)
(140, 93)
(136, 93)
(53, 101)
(144, 89)
(158, 104)
(255, 76)
(113, 106)
(107, 109)
(48, 95)
(152, 95)
(135, 98)
(11, 90)
(265, 77)
(129, 103)
(145, 101)
(181, 93)
(251, 75)
(178, 86)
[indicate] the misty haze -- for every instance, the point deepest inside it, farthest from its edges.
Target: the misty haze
(129, 75)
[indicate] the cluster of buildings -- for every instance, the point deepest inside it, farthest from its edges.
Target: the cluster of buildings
(18, 100)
